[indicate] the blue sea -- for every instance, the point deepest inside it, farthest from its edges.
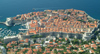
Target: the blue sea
(11, 8)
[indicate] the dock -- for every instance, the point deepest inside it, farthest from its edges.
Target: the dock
(23, 29)
(2, 22)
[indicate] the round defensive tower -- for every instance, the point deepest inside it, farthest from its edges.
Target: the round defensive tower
(9, 22)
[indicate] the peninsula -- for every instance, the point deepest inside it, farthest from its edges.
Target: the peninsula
(54, 31)
(70, 23)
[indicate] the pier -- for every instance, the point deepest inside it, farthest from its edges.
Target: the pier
(2, 22)
(23, 29)
(5, 32)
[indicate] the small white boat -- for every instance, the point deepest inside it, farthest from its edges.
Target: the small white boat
(34, 9)
(0, 29)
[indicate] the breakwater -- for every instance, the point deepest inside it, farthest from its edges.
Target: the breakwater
(2, 22)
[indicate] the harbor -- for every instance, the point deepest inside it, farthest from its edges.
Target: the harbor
(5, 32)
(9, 28)
(12, 32)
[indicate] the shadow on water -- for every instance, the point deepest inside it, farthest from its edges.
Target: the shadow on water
(9, 27)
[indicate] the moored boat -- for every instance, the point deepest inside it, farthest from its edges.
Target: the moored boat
(0, 29)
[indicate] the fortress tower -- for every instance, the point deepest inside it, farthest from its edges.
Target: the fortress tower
(9, 22)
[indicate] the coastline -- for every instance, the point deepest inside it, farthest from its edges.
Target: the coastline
(61, 9)
(75, 9)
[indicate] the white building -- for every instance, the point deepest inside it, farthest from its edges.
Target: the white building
(2, 50)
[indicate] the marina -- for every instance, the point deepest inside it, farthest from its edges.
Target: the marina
(12, 32)
(5, 32)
